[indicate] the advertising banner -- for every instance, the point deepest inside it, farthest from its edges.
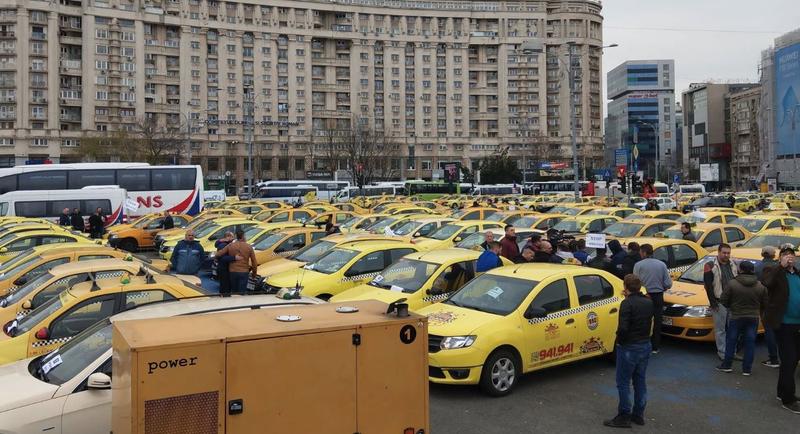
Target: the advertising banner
(787, 99)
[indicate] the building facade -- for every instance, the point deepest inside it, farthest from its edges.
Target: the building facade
(447, 81)
(641, 114)
(745, 138)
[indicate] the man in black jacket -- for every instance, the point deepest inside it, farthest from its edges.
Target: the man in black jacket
(168, 222)
(97, 224)
(77, 220)
(633, 352)
(64, 219)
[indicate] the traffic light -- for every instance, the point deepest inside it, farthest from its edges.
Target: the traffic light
(623, 185)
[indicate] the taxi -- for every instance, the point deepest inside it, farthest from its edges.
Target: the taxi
(474, 240)
(478, 213)
(341, 268)
(586, 224)
(140, 233)
(710, 235)
(687, 311)
(360, 222)
(12, 244)
(721, 209)
(538, 222)
(759, 222)
(336, 217)
(433, 206)
(351, 207)
(621, 212)
(421, 278)
(508, 217)
(518, 319)
(678, 255)
(637, 228)
(259, 231)
(745, 204)
(43, 287)
(72, 311)
(46, 257)
(220, 212)
(451, 233)
(668, 215)
(790, 199)
(281, 243)
(209, 234)
(420, 226)
(774, 238)
(386, 225)
(284, 215)
(777, 207)
(709, 217)
(196, 224)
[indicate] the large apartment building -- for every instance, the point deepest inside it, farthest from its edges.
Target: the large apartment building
(447, 80)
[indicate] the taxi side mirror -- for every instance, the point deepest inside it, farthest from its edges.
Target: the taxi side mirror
(739, 244)
(43, 334)
(99, 381)
(417, 234)
(21, 281)
(27, 305)
(3, 249)
(457, 239)
(535, 312)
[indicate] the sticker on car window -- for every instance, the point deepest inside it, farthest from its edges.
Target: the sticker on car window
(378, 279)
(396, 288)
(52, 363)
(495, 292)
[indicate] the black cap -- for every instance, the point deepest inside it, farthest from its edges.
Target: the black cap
(747, 267)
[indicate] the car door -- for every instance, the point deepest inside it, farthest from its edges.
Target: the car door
(364, 269)
(598, 318)
(712, 239)
(552, 338)
(290, 245)
(733, 235)
(71, 322)
(88, 411)
(683, 257)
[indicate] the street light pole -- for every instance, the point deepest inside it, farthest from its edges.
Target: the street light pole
(573, 126)
(656, 130)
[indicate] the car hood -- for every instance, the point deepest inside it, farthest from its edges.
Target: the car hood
(288, 279)
(429, 243)
(119, 228)
(277, 266)
(687, 294)
(369, 292)
(26, 388)
(449, 320)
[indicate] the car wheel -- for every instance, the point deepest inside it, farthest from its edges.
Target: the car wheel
(129, 245)
(500, 373)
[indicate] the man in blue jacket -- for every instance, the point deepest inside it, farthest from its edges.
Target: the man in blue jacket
(188, 255)
(490, 258)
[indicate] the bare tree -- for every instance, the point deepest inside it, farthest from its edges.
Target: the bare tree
(366, 154)
(156, 143)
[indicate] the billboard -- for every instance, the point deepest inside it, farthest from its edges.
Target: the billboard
(709, 172)
(787, 99)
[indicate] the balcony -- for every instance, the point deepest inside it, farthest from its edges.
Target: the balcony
(330, 61)
(64, 117)
(38, 36)
(331, 87)
(8, 115)
(343, 114)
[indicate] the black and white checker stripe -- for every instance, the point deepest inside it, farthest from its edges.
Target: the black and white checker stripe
(573, 311)
(436, 298)
(51, 342)
(360, 277)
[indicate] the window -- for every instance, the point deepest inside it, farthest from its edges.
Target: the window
(713, 238)
(733, 235)
(53, 239)
(93, 257)
(23, 244)
(553, 297)
(138, 298)
(684, 255)
(134, 179)
(89, 206)
(662, 254)
(57, 287)
(294, 242)
(371, 263)
(82, 178)
(396, 254)
(43, 180)
(173, 179)
(82, 316)
(592, 288)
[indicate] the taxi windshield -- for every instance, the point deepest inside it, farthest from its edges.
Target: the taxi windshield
(623, 230)
(752, 225)
(25, 290)
(206, 230)
(445, 232)
(599, 212)
(74, 356)
(141, 222)
(407, 228)
(203, 226)
(381, 224)
(771, 240)
(568, 226)
(676, 234)
(267, 240)
(472, 240)
(6, 238)
(405, 275)
(14, 272)
(24, 255)
(332, 261)
(497, 217)
(459, 213)
(28, 322)
(252, 231)
(352, 221)
(571, 211)
(695, 273)
(499, 295)
(312, 251)
(523, 221)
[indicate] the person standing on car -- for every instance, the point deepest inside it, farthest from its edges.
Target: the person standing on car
(783, 316)
(64, 219)
(686, 232)
(508, 245)
(746, 299)
(245, 260)
(77, 220)
(633, 347)
(168, 222)
(768, 261)
(716, 275)
(655, 278)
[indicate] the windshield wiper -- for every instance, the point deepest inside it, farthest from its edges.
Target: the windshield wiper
(376, 284)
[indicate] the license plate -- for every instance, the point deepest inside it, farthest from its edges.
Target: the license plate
(666, 320)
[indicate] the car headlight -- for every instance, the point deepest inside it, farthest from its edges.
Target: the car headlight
(455, 342)
(698, 312)
(113, 236)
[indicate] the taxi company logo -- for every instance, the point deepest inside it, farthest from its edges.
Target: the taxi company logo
(170, 364)
(592, 345)
(442, 317)
(592, 320)
(551, 332)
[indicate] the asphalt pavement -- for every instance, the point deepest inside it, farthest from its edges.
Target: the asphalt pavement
(685, 395)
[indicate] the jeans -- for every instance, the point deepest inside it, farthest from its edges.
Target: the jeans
(788, 336)
(238, 282)
(772, 343)
(720, 327)
(746, 327)
(632, 366)
(658, 313)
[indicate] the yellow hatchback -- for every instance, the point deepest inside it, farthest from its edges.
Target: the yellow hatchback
(453, 232)
(518, 319)
(15, 243)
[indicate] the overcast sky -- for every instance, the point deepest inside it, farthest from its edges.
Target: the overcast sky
(733, 53)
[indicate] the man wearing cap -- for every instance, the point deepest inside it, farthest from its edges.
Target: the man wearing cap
(783, 315)
(746, 298)
(716, 275)
(767, 261)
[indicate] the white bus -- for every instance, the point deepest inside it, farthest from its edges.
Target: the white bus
(50, 204)
(369, 191)
(287, 194)
(325, 189)
(554, 187)
(154, 189)
(691, 189)
(496, 190)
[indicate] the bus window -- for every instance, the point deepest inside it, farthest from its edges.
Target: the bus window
(134, 179)
(31, 209)
(43, 180)
(3, 208)
(83, 178)
(8, 183)
(173, 179)
(90, 206)
(56, 206)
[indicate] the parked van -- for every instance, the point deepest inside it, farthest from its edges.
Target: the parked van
(49, 204)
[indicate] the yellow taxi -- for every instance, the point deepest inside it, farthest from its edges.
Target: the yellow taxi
(756, 223)
(196, 224)
(387, 225)
(421, 278)
(711, 235)
(790, 199)
(284, 215)
(43, 258)
(480, 213)
(586, 223)
(360, 222)
(668, 215)
(335, 217)
(678, 255)
(211, 233)
(538, 222)
(140, 233)
(687, 311)
(65, 315)
(420, 226)
(509, 217)
(284, 242)
(621, 212)
(745, 204)
(721, 209)
(518, 319)
(636, 228)
(453, 232)
(709, 217)
(774, 238)
(777, 207)
(341, 268)
(219, 212)
(433, 206)
(12, 244)
(46, 285)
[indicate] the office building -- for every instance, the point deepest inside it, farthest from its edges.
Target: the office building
(446, 81)
(640, 114)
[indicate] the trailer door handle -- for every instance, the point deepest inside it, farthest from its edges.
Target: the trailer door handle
(235, 406)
